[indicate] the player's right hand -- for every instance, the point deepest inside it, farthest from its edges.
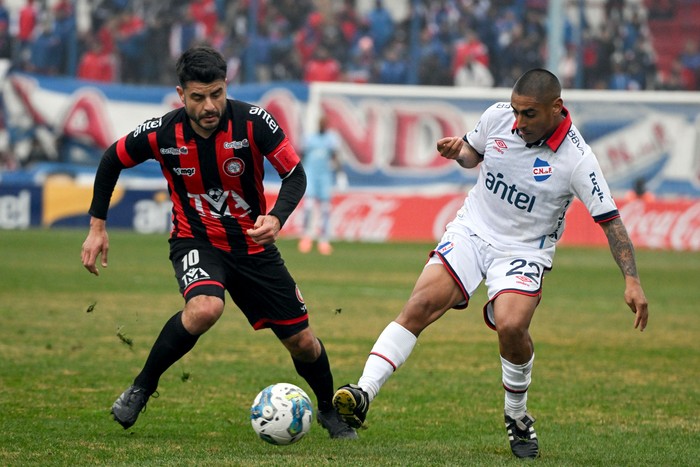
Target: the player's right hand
(96, 244)
(450, 147)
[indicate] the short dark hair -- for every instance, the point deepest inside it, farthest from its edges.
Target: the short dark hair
(538, 83)
(200, 63)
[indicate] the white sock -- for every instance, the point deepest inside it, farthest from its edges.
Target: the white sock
(516, 380)
(390, 351)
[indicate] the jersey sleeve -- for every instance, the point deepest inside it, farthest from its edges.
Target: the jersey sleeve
(283, 158)
(478, 136)
(590, 186)
(272, 142)
(127, 151)
(135, 147)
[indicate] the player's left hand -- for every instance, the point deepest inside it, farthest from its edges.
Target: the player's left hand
(265, 230)
(637, 301)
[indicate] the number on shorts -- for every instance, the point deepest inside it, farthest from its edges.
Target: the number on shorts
(519, 264)
(190, 259)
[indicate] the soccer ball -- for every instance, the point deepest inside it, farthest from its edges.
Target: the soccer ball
(281, 414)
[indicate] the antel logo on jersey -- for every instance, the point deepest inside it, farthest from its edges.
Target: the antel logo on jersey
(509, 193)
(541, 170)
(234, 166)
(500, 146)
(237, 144)
(174, 151)
(149, 125)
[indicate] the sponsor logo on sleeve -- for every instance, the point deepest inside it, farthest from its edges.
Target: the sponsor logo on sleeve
(148, 125)
(266, 117)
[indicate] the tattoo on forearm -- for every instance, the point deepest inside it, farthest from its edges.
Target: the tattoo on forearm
(621, 247)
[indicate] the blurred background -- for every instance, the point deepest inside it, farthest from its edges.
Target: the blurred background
(391, 77)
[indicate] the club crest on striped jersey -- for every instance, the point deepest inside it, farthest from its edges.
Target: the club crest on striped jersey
(234, 166)
(541, 170)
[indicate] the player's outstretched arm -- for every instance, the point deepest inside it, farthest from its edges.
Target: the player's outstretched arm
(455, 148)
(623, 251)
(96, 244)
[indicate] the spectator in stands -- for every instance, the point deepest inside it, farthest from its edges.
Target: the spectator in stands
(349, 22)
(322, 67)
(295, 11)
(27, 22)
(96, 64)
(5, 38)
(185, 33)
(283, 59)
(393, 68)
(473, 74)
(434, 60)
(309, 37)
(510, 33)
(360, 69)
(677, 78)
(45, 50)
(64, 27)
(204, 13)
(690, 58)
(257, 54)
(380, 26)
(471, 46)
(4, 14)
(131, 38)
(621, 80)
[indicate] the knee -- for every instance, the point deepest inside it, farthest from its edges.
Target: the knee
(511, 329)
(201, 313)
(303, 346)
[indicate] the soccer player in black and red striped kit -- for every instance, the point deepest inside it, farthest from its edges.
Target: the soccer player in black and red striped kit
(211, 152)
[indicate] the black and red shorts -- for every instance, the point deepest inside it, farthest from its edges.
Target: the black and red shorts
(260, 284)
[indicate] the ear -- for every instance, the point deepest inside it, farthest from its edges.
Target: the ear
(558, 105)
(181, 93)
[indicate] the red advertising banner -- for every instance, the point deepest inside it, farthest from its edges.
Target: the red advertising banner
(364, 216)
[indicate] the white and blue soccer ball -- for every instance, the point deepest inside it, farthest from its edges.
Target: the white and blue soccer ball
(281, 414)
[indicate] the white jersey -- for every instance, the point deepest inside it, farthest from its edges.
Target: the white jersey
(523, 190)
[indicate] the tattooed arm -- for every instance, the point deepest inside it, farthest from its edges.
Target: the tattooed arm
(623, 251)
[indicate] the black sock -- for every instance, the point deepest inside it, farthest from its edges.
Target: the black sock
(318, 375)
(171, 345)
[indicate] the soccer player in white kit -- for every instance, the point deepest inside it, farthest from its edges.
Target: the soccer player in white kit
(532, 162)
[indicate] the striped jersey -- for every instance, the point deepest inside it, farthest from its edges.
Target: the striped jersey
(523, 190)
(215, 183)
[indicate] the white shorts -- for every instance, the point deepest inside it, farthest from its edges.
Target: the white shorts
(470, 260)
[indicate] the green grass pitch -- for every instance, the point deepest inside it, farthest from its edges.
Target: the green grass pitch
(603, 393)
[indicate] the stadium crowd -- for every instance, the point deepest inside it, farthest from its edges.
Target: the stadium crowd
(443, 42)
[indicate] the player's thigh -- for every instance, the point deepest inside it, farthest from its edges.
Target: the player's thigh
(460, 252)
(264, 290)
(199, 268)
(514, 283)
